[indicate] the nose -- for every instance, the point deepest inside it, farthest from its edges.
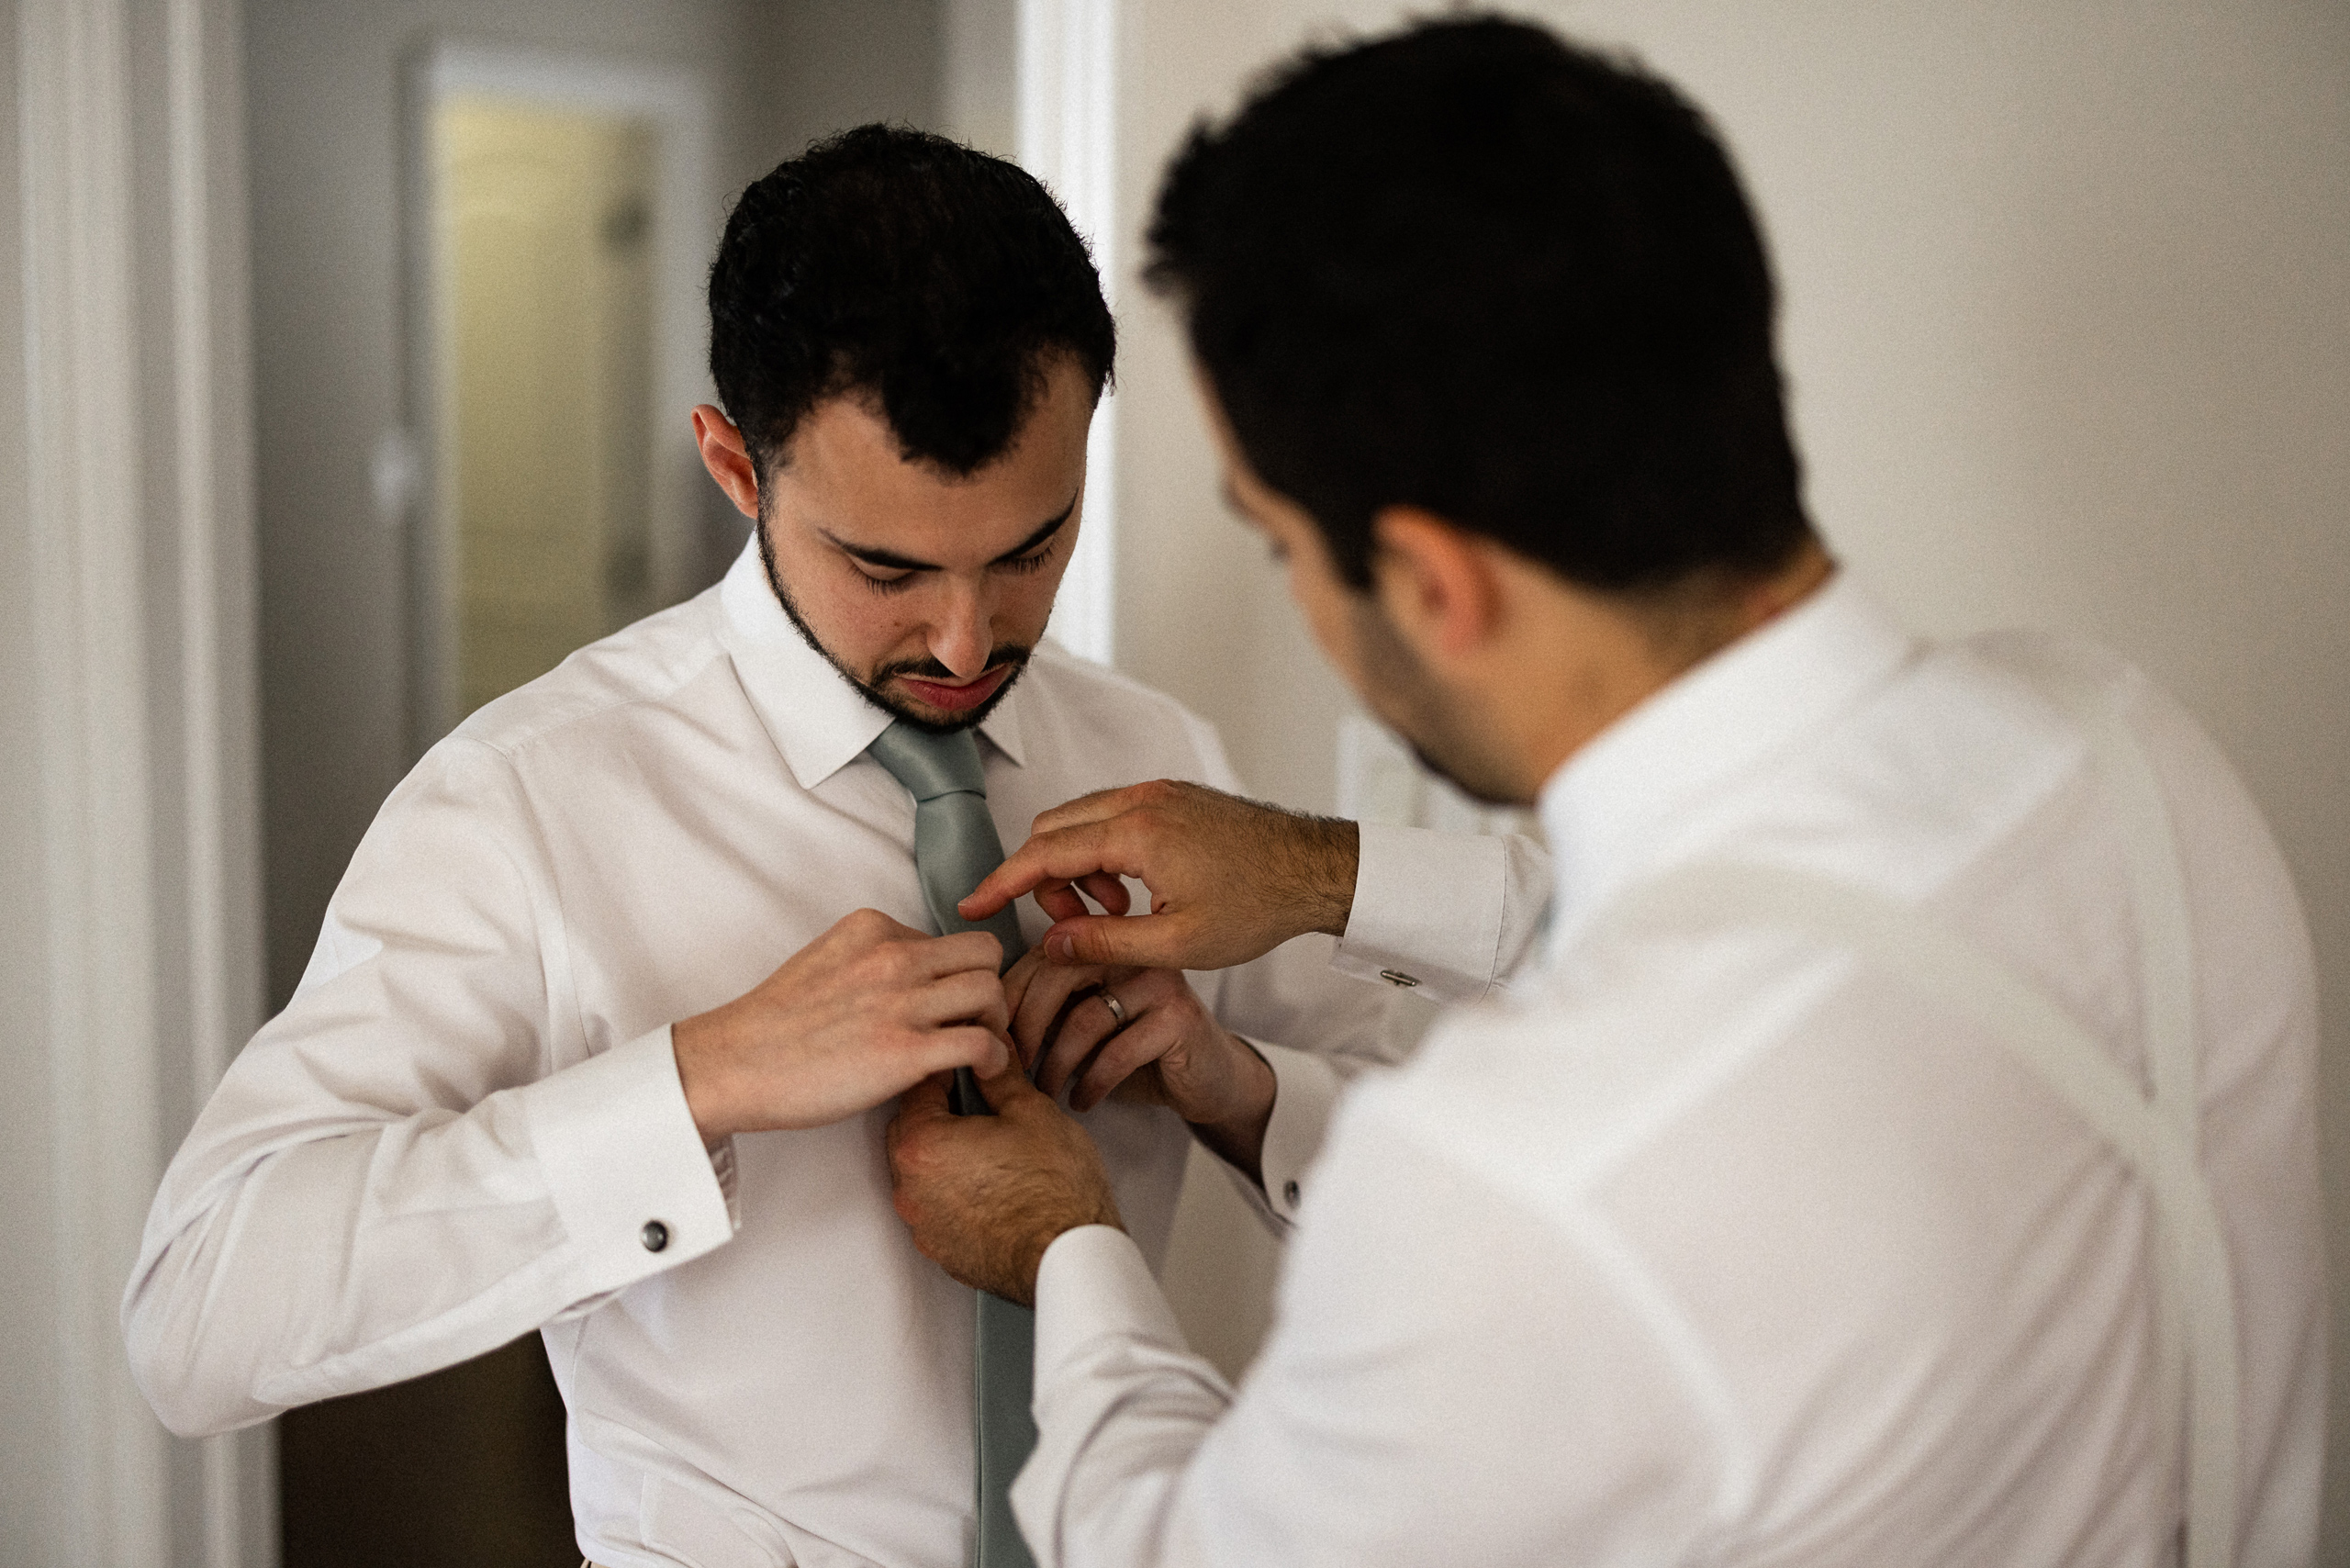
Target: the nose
(962, 636)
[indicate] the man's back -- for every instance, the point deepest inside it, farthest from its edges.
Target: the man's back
(1722, 1244)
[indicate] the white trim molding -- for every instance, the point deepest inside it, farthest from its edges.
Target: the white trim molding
(1067, 133)
(136, 539)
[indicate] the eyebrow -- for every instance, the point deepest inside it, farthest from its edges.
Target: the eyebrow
(894, 562)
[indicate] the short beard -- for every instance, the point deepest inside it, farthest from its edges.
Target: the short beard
(1429, 720)
(1005, 654)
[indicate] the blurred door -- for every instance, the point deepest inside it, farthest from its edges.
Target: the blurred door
(545, 271)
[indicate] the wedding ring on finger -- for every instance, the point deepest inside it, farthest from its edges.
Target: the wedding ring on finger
(1117, 1009)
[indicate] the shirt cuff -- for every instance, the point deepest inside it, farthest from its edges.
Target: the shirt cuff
(635, 1190)
(1093, 1284)
(1305, 1092)
(1427, 911)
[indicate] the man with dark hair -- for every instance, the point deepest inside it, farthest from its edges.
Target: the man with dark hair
(1904, 1150)
(544, 1073)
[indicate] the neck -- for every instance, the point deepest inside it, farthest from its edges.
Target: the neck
(1607, 653)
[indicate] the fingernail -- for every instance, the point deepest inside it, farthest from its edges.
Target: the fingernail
(1060, 946)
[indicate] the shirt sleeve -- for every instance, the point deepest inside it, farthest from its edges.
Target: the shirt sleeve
(1305, 1096)
(1449, 914)
(1450, 1379)
(1315, 1024)
(422, 1157)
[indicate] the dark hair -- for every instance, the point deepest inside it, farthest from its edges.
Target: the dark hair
(901, 266)
(1473, 268)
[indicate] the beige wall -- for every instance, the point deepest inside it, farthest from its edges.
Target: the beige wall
(2069, 329)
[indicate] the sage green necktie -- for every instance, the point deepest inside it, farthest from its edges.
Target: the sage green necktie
(955, 846)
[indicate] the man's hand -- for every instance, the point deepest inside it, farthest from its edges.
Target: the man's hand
(1167, 1050)
(1229, 879)
(985, 1196)
(848, 1022)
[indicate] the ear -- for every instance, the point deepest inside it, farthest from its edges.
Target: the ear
(1436, 584)
(728, 460)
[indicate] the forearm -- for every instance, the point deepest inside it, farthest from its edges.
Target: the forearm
(1097, 1492)
(294, 1253)
(1453, 1379)
(1237, 1135)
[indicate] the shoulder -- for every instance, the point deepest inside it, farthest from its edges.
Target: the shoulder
(646, 664)
(1071, 704)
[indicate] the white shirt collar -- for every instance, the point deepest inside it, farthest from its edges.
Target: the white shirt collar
(818, 721)
(1608, 806)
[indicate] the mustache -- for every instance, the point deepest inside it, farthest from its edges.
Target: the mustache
(1008, 654)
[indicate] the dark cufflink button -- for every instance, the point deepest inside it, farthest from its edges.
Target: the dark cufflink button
(1397, 977)
(655, 1236)
(1288, 1193)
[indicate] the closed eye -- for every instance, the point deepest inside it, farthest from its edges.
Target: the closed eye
(898, 584)
(1033, 561)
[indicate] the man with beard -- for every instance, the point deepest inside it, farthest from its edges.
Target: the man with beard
(543, 1071)
(1905, 1152)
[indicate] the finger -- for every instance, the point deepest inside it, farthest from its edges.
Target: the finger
(1060, 900)
(1046, 998)
(1108, 892)
(1089, 1024)
(1146, 1041)
(1005, 1092)
(968, 1044)
(1099, 806)
(965, 952)
(969, 997)
(870, 927)
(1062, 855)
(1017, 978)
(1147, 941)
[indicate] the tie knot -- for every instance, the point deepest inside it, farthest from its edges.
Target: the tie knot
(928, 765)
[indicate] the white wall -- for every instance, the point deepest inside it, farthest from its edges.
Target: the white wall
(2068, 327)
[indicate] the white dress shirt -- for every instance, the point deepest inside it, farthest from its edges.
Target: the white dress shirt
(468, 1124)
(1716, 1245)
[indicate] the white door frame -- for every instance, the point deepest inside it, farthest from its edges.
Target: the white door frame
(686, 215)
(1067, 132)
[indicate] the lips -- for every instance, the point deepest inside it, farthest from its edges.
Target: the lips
(956, 699)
